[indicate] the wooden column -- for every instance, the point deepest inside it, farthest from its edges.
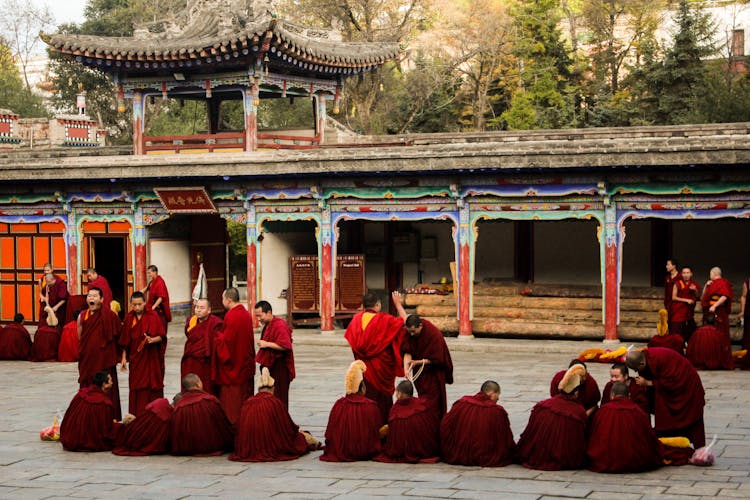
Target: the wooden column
(320, 116)
(252, 261)
(327, 261)
(138, 120)
(71, 243)
(612, 259)
(464, 238)
(139, 243)
(252, 99)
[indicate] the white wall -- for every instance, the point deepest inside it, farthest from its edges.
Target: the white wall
(275, 250)
(172, 258)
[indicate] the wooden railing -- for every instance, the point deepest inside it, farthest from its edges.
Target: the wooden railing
(194, 143)
(280, 140)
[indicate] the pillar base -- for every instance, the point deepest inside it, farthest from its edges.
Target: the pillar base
(328, 333)
(609, 342)
(466, 337)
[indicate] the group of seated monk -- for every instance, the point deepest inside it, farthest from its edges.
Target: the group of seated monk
(48, 344)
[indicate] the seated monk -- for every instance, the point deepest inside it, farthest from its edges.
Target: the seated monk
(413, 429)
(621, 438)
(664, 338)
(68, 350)
(89, 423)
(353, 431)
(46, 342)
(199, 425)
(15, 340)
(265, 431)
(587, 396)
(476, 431)
(620, 373)
(148, 434)
(555, 437)
(710, 348)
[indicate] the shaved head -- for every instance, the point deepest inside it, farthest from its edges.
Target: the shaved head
(190, 382)
(405, 387)
(634, 359)
(620, 390)
(490, 386)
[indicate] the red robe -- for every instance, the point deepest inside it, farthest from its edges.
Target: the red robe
(233, 366)
(679, 395)
(621, 439)
(718, 288)
(378, 344)
(638, 395)
(148, 434)
(68, 349)
(280, 364)
(158, 290)
(266, 432)
(146, 361)
(430, 344)
(588, 395)
(199, 426)
(89, 422)
(101, 283)
(353, 430)
(476, 431)
(15, 342)
(98, 350)
(55, 293)
(199, 348)
(46, 343)
(681, 318)
(555, 437)
(669, 282)
(710, 349)
(413, 433)
(746, 324)
(669, 341)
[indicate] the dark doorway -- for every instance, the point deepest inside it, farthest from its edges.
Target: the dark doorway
(208, 245)
(109, 260)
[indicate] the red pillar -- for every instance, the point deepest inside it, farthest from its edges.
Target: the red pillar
(140, 266)
(326, 282)
(138, 148)
(73, 271)
(464, 249)
(612, 246)
(252, 278)
(252, 99)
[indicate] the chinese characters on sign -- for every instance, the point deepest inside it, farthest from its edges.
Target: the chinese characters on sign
(192, 200)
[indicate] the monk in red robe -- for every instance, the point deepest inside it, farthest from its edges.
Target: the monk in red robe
(201, 330)
(413, 429)
(685, 294)
(476, 431)
(555, 436)
(15, 340)
(99, 329)
(148, 434)
(143, 343)
(353, 431)
(275, 350)
(665, 338)
(100, 282)
(426, 353)
(710, 348)
(620, 373)
(621, 438)
(588, 395)
(678, 392)
(157, 295)
(199, 425)
(673, 274)
(745, 320)
(68, 349)
(47, 337)
(375, 338)
(266, 432)
(717, 299)
(90, 421)
(233, 365)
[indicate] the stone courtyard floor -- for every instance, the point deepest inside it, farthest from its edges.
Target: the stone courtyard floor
(32, 392)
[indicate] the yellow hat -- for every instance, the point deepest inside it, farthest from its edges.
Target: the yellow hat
(662, 327)
(265, 378)
(354, 376)
(572, 378)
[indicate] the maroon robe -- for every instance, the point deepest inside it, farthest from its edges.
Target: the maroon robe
(353, 430)
(157, 289)
(710, 349)
(199, 426)
(430, 344)
(280, 364)
(146, 361)
(266, 432)
(55, 294)
(89, 422)
(68, 349)
(713, 292)
(669, 282)
(555, 437)
(679, 395)
(413, 433)
(46, 343)
(98, 350)
(378, 344)
(638, 395)
(588, 395)
(621, 439)
(102, 284)
(476, 431)
(746, 323)
(669, 341)
(148, 434)
(233, 365)
(199, 348)
(682, 316)
(15, 342)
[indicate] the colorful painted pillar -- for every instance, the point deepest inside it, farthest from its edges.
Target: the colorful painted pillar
(252, 99)
(252, 259)
(327, 259)
(464, 238)
(612, 259)
(321, 115)
(139, 243)
(138, 121)
(71, 243)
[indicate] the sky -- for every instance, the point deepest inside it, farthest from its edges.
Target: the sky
(64, 11)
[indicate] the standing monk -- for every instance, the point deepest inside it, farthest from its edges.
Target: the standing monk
(157, 295)
(678, 392)
(100, 282)
(375, 337)
(684, 296)
(673, 274)
(98, 330)
(717, 299)
(201, 330)
(52, 315)
(143, 341)
(745, 318)
(275, 350)
(233, 366)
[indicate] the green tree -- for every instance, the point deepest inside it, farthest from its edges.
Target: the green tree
(14, 95)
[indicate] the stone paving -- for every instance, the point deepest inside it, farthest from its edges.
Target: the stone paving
(30, 468)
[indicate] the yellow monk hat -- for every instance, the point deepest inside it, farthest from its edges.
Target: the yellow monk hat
(572, 378)
(265, 378)
(354, 376)
(662, 327)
